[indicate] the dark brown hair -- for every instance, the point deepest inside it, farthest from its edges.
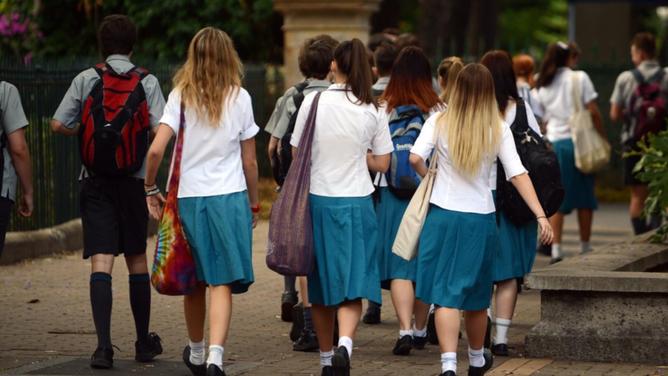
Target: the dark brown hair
(384, 57)
(352, 60)
(646, 43)
(117, 35)
(500, 65)
(411, 82)
(316, 55)
(556, 57)
(407, 40)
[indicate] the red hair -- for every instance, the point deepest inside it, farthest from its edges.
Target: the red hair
(410, 82)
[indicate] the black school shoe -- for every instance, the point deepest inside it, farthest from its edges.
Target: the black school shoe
(213, 370)
(297, 322)
(288, 300)
(449, 373)
(307, 342)
(326, 371)
(431, 329)
(403, 346)
(372, 315)
(341, 362)
(419, 342)
(197, 370)
(103, 358)
(148, 349)
(500, 350)
(480, 371)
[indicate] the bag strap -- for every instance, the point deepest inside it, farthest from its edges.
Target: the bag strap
(433, 164)
(575, 79)
(302, 161)
(638, 76)
(173, 187)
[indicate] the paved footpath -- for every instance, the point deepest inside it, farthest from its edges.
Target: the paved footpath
(46, 328)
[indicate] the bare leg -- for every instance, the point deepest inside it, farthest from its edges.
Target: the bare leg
(303, 291)
(585, 218)
(421, 312)
(220, 313)
(194, 308)
(102, 263)
(639, 194)
(323, 321)
(476, 325)
(349, 317)
(447, 328)
(557, 223)
(403, 299)
(505, 299)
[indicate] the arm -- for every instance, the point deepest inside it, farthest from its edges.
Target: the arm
(18, 149)
(596, 117)
(58, 127)
(616, 112)
(418, 164)
(523, 185)
(249, 162)
(153, 159)
(272, 148)
(378, 163)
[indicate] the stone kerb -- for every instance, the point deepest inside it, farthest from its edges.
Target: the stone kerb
(604, 306)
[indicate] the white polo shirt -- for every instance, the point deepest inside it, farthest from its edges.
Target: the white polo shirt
(456, 192)
(211, 157)
(344, 132)
(556, 101)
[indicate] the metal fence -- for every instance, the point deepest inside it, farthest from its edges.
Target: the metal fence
(56, 162)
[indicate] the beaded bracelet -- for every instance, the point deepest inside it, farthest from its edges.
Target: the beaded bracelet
(152, 192)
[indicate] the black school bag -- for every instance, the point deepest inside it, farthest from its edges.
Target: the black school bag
(283, 160)
(541, 162)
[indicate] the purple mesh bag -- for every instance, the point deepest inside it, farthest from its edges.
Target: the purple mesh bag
(290, 245)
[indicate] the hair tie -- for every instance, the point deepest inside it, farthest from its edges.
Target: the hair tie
(562, 45)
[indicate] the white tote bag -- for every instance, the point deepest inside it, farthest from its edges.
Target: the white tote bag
(592, 152)
(406, 241)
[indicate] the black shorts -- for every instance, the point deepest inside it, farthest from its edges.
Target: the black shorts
(5, 212)
(629, 163)
(114, 216)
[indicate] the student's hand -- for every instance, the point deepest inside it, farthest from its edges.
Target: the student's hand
(546, 234)
(26, 205)
(256, 217)
(155, 204)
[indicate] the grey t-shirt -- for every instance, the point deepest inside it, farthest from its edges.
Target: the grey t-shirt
(626, 84)
(13, 118)
(70, 109)
(280, 127)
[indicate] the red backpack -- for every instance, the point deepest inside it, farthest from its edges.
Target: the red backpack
(647, 111)
(114, 133)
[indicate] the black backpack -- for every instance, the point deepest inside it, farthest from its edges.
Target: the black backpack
(543, 167)
(283, 160)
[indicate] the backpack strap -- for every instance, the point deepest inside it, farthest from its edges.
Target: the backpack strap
(638, 76)
(520, 124)
(657, 77)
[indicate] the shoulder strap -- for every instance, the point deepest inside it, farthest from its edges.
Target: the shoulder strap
(657, 77)
(178, 150)
(301, 86)
(577, 100)
(520, 116)
(638, 76)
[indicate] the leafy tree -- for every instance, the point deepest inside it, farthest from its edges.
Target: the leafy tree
(652, 170)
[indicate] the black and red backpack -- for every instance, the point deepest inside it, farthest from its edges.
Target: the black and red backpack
(647, 111)
(114, 132)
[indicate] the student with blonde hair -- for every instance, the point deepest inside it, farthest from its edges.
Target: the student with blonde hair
(459, 238)
(351, 137)
(447, 71)
(218, 198)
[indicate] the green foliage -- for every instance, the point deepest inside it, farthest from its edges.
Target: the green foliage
(19, 34)
(533, 23)
(653, 169)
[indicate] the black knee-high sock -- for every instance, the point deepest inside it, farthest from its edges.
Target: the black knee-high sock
(639, 225)
(100, 301)
(289, 283)
(140, 301)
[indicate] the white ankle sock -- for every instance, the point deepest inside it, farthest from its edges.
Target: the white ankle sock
(408, 332)
(476, 357)
(501, 334)
(556, 250)
(585, 247)
(347, 342)
(326, 358)
(419, 332)
(197, 352)
(448, 362)
(216, 356)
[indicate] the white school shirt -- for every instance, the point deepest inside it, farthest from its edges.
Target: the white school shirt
(556, 101)
(456, 192)
(509, 118)
(344, 132)
(211, 157)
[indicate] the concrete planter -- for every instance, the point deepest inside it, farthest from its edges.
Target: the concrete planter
(604, 306)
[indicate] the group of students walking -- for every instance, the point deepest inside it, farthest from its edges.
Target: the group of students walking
(359, 188)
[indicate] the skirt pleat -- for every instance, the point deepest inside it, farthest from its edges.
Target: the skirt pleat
(578, 187)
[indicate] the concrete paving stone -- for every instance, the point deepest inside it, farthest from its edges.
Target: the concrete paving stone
(58, 327)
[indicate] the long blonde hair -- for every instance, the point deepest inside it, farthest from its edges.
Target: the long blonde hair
(472, 120)
(447, 72)
(211, 75)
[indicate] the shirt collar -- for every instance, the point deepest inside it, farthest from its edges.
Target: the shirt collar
(649, 64)
(318, 83)
(338, 87)
(383, 80)
(118, 57)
